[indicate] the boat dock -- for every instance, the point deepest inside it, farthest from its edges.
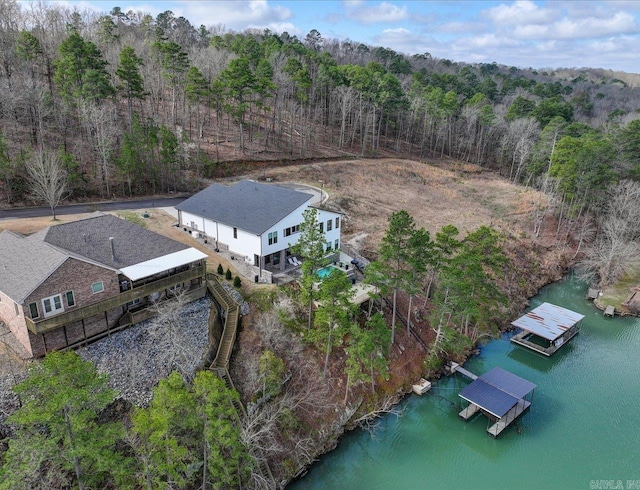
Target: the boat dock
(549, 325)
(498, 394)
(511, 415)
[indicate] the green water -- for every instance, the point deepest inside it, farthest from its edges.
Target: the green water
(582, 431)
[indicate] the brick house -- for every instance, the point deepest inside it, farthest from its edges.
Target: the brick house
(78, 281)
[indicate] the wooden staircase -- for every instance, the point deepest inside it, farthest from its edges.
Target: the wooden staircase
(230, 312)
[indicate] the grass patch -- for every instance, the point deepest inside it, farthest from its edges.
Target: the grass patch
(133, 217)
(617, 293)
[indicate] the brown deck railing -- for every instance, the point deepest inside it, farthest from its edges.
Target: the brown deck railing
(77, 314)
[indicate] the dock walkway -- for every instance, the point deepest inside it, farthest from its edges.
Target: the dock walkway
(455, 367)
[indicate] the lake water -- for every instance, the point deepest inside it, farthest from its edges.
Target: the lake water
(582, 430)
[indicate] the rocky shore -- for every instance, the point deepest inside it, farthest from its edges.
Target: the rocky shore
(138, 357)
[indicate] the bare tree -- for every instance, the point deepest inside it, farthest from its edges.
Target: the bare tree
(304, 394)
(47, 178)
(173, 342)
(100, 123)
(616, 251)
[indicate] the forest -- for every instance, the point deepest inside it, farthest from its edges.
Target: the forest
(125, 104)
(121, 104)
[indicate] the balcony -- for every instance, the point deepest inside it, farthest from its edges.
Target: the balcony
(47, 324)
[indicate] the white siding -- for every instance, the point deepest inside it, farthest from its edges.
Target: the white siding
(292, 219)
(334, 234)
(248, 245)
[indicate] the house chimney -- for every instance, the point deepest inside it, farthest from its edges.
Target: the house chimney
(113, 249)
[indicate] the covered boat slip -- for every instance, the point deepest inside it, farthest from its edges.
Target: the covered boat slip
(498, 394)
(546, 328)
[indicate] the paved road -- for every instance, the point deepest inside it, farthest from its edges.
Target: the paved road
(91, 207)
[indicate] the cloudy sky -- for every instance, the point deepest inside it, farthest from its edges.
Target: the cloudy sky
(523, 33)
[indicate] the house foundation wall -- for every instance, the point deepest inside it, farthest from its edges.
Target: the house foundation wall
(14, 321)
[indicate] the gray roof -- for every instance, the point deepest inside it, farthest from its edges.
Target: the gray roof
(89, 238)
(24, 264)
(248, 205)
(548, 321)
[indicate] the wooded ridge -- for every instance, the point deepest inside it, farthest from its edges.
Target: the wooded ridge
(129, 104)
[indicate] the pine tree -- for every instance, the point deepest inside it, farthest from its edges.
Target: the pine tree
(57, 426)
(311, 247)
(132, 83)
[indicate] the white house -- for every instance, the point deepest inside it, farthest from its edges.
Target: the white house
(258, 222)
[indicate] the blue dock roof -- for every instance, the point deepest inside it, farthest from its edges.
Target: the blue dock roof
(497, 391)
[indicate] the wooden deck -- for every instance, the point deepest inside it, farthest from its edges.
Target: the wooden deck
(470, 411)
(509, 417)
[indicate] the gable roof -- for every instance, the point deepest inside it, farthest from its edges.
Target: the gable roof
(248, 205)
(90, 238)
(497, 391)
(548, 321)
(24, 264)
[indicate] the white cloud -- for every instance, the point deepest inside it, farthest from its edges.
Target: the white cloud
(590, 27)
(522, 11)
(369, 14)
(457, 27)
(487, 41)
(236, 14)
(561, 20)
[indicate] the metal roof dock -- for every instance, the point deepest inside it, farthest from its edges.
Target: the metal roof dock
(546, 328)
(500, 395)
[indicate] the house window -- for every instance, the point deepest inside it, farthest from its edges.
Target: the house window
(235, 232)
(273, 237)
(97, 287)
(290, 231)
(322, 227)
(133, 303)
(329, 223)
(337, 244)
(337, 223)
(52, 305)
(33, 310)
(71, 301)
(328, 246)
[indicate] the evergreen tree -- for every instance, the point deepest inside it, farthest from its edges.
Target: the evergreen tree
(395, 255)
(166, 432)
(57, 425)
(311, 247)
(367, 352)
(226, 461)
(189, 436)
(80, 72)
(334, 315)
(132, 84)
(469, 290)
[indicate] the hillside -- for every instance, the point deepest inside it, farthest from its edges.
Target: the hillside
(131, 105)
